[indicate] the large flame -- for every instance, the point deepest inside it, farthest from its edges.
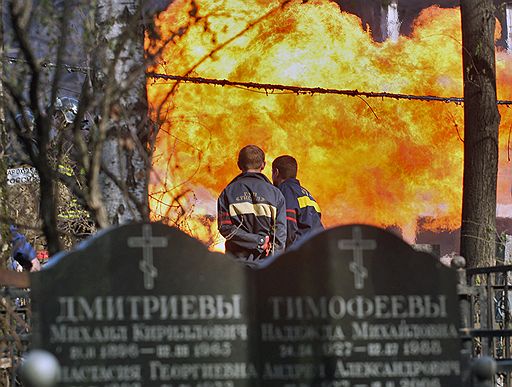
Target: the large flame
(383, 162)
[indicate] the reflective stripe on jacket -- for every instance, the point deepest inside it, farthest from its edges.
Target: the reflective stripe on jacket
(303, 215)
(249, 209)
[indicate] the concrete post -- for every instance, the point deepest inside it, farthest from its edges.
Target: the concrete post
(390, 23)
(508, 13)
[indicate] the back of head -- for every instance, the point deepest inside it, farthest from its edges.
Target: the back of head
(250, 157)
(286, 165)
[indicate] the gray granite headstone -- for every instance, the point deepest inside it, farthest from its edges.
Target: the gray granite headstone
(357, 306)
(146, 305)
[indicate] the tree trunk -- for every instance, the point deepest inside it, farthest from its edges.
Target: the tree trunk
(124, 157)
(4, 225)
(481, 122)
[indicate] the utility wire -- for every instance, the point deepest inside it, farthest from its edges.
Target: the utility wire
(269, 87)
(46, 64)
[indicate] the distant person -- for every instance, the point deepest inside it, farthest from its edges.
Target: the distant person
(251, 211)
(21, 257)
(22, 252)
(303, 217)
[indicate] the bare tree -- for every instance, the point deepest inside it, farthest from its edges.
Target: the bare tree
(481, 122)
(4, 231)
(126, 131)
(91, 149)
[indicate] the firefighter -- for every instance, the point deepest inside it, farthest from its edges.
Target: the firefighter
(303, 216)
(251, 211)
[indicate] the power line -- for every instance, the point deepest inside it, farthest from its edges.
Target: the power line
(269, 87)
(46, 64)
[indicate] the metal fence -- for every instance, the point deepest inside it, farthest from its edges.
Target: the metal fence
(15, 323)
(486, 299)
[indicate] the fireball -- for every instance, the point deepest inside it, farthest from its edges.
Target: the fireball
(384, 162)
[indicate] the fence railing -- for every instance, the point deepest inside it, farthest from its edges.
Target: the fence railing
(488, 293)
(15, 329)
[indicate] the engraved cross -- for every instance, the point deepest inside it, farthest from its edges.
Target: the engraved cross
(147, 242)
(357, 244)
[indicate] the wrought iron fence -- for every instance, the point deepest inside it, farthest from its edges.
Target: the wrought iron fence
(488, 318)
(15, 324)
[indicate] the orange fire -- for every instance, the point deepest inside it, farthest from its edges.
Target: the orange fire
(376, 161)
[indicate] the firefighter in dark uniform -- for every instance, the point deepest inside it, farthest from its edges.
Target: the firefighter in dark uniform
(252, 212)
(303, 216)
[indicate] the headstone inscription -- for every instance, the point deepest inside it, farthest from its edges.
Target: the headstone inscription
(146, 305)
(142, 306)
(357, 306)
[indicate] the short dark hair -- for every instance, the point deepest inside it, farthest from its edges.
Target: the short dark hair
(250, 157)
(287, 166)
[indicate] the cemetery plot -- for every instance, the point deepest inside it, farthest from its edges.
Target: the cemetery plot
(143, 306)
(146, 305)
(359, 308)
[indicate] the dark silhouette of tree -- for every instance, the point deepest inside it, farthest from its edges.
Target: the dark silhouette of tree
(481, 122)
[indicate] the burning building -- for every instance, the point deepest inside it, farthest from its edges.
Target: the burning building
(382, 161)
